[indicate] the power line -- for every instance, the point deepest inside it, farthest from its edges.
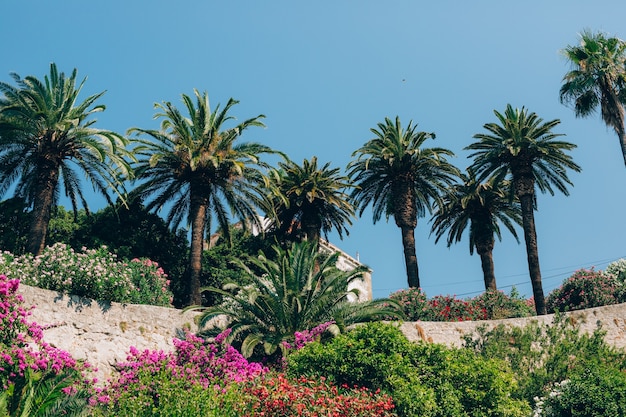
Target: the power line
(570, 269)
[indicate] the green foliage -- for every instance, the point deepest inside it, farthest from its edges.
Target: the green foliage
(306, 201)
(42, 394)
(14, 221)
(423, 379)
(545, 354)
(219, 262)
(594, 392)
(296, 292)
(170, 396)
(91, 273)
(586, 288)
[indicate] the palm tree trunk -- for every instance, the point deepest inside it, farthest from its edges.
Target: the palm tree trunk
(621, 134)
(410, 257)
(532, 252)
(486, 261)
(197, 214)
(47, 181)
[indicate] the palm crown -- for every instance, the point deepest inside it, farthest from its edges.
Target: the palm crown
(523, 149)
(309, 198)
(597, 78)
(400, 177)
(195, 164)
(481, 207)
(46, 136)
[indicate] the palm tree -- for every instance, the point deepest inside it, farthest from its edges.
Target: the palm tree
(46, 136)
(309, 199)
(195, 164)
(598, 77)
(482, 206)
(523, 149)
(298, 291)
(401, 178)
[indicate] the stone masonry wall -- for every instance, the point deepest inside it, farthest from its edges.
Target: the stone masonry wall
(102, 333)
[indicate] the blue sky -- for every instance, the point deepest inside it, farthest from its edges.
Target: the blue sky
(326, 72)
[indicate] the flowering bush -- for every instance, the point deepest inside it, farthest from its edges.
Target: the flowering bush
(586, 288)
(487, 306)
(92, 273)
(498, 305)
(450, 308)
(277, 396)
(617, 269)
(413, 302)
(596, 392)
(193, 363)
(34, 375)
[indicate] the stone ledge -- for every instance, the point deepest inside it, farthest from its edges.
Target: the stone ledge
(102, 333)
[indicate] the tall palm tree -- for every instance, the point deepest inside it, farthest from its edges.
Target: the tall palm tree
(309, 199)
(524, 149)
(598, 77)
(401, 178)
(46, 136)
(297, 291)
(194, 164)
(482, 206)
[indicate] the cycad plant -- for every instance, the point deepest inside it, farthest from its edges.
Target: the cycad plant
(290, 295)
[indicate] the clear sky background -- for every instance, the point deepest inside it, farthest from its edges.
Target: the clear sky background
(325, 72)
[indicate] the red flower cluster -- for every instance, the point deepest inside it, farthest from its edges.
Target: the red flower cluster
(278, 395)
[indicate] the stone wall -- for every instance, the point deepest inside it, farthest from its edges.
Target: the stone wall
(102, 333)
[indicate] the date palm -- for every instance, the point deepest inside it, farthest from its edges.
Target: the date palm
(299, 290)
(46, 137)
(400, 177)
(309, 199)
(598, 78)
(481, 206)
(523, 148)
(194, 165)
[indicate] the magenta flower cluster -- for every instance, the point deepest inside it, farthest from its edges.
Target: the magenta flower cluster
(194, 360)
(307, 336)
(22, 347)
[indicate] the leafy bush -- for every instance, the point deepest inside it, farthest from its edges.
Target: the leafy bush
(490, 305)
(545, 354)
(36, 379)
(423, 379)
(92, 273)
(586, 288)
(595, 392)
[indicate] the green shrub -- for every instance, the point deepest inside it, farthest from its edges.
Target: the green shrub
(91, 273)
(545, 354)
(586, 288)
(172, 397)
(423, 379)
(595, 392)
